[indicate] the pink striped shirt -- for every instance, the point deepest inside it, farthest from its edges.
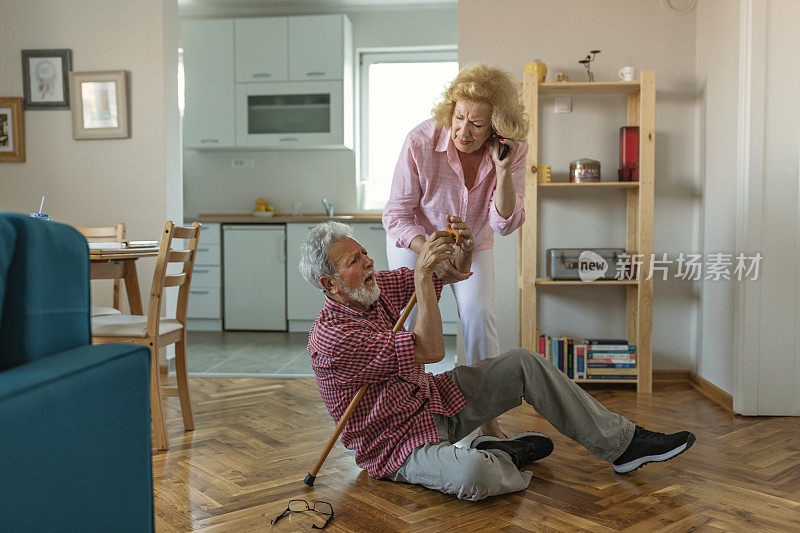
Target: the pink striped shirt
(429, 184)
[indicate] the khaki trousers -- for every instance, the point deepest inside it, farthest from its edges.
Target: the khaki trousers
(492, 387)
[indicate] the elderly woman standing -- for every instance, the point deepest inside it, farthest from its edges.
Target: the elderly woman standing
(451, 165)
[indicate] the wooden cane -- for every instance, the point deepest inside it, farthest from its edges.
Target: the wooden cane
(309, 480)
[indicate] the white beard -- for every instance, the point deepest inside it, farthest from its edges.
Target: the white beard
(364, 295)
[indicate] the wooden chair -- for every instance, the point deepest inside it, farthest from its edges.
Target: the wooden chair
(155, 331)
(106, 234)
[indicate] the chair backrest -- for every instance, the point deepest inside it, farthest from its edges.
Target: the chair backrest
(162, 280)
(104, 233)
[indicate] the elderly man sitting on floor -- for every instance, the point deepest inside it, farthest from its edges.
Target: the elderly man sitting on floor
(405, 425)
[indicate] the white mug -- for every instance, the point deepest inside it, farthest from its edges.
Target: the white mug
(627, 73)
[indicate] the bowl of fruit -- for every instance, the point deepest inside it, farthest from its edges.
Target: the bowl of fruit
(263, 209)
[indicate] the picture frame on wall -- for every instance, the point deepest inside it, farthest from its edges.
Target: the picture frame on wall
(12, 130)
(44, 78)
(99, 103)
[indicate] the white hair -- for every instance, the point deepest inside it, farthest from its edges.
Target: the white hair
(314, 259)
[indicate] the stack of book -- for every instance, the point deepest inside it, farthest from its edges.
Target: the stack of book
(610, 359)
(595, 359)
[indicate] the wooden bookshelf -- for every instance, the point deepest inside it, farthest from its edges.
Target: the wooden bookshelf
(591, 87)
(639, 217)
(590, 185)
(579, 283)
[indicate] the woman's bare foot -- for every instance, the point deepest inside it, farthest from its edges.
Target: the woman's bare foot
(492, 427)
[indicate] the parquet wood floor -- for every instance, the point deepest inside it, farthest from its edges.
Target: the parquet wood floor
(256, 438)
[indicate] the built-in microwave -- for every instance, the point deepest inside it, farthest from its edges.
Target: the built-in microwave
(305, 114)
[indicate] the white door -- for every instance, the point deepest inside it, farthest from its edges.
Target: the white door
(261, 49)
(208, 73)
(254, 272)
(316, 47)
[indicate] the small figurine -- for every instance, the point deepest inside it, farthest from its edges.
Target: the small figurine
(586, 62)
(562, 77)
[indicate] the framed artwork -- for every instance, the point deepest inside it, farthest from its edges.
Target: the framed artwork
(12, 131)
(99, 105)
(44, 78)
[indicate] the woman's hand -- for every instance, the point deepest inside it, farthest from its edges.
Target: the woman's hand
(467, 242)
(505, 164)
(462, 258)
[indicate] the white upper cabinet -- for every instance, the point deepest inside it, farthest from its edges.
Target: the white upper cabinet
(208, 119)
(262, 49)
(275, 82)
(317, 47)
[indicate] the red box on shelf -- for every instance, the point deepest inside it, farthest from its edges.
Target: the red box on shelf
(629, 153)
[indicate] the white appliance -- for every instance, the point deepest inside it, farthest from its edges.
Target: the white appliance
(290, 114)
(254, 271)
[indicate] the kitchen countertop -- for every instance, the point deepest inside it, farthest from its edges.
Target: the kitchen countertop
(282, 218)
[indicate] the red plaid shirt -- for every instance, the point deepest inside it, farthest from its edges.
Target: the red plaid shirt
(350, 348)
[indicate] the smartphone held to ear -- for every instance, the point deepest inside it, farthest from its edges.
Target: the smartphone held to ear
(503, 148)
(503, 151)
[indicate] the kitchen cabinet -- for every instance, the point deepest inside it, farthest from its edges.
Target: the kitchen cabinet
(254, 275)
(304, 301)
(208, 120)
(205, 293)
(262, 49)
(319, 47)
(275, 82)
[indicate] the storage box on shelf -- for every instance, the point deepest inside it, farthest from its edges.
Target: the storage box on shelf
(639, 220)
(205, 295)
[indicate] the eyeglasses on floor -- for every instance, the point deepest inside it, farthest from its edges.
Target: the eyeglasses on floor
(302, 506)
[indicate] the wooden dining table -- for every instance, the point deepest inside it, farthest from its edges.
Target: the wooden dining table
(121, 264)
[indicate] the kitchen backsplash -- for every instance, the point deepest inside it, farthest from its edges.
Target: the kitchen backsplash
(282, 177)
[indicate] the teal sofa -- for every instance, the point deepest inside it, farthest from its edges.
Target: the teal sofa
(74, 418)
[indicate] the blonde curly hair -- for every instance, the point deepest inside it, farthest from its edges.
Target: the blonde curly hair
(492, 85)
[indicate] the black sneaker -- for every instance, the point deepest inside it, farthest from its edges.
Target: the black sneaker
(523, 449)
(651, 446)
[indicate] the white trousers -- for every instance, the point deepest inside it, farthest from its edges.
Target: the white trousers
(474, 298)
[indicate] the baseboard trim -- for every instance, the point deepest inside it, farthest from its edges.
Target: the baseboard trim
(711, 391)
(671, 375)
(705, 387)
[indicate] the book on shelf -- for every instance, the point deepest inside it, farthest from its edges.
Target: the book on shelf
(607, 342)
(620, 356)
(580, 361)
(601, 377)
(612, 361)
(611, 349)
(612, 365)
(610, 371)
(570, 347)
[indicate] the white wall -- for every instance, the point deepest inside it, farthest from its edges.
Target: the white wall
(717, 76)
(98, 182)
(629, 32)
(285, 176)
